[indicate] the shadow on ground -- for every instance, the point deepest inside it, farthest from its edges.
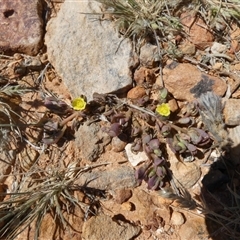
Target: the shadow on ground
(221, 196)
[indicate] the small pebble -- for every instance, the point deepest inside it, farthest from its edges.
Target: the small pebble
(136, 92)
(177, 218)
(127, 206)
(122, 195)
(117, 144)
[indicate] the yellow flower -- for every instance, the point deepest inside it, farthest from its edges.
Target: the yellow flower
(163, 109)
(79, 104)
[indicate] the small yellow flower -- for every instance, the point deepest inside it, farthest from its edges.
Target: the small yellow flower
(79, 104)
(163, 109)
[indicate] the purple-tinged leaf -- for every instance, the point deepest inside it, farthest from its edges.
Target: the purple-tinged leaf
(153, 182)
(161, 172)
(146, 139)
(157, 152)
(115, 129)
(154, 144)
(158, 161)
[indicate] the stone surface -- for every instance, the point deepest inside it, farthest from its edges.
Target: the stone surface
(173, 105)
(136, 92)
(232, 117)
(218, 48)
(186, 82)
(197, 31)
(177, 218)
(117, 144)
(21, 26)
(143, 74)
(133, 158)
(188, 49)
(7, 159)
(86, 52)
(149, 55)
(104, 227)
(187, 173)
(194, 228)
(234, 135)
(91, 139)
(112, 178)
(122, 195)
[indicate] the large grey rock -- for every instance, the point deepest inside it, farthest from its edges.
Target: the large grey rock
(114, 178)
(84, 50)
(21, 26)
(92, 140)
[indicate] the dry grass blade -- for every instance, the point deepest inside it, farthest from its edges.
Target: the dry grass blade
(142, 17)
(228, 218)
(51, 193)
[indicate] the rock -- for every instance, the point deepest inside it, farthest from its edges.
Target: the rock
(232, 117)
(122, 195)
(235, 46)
(197, 31)
(149, 55)
(117, 144)
(217, 66)
(186, 173)
(188, 49)
(177, 218)
(144, 74)
(92, 140)
(173, 105)
(218, 48)
(234, 135)
(194, 228)
(104, 227)
(86, 52)
(187, 82)
(21, 26)
(133, 158)
(139, 75)
(110, 179)
(136, 92)
(7, 159)
(128, 206)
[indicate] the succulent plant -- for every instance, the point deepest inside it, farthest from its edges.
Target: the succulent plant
(137, 145)
(52, 132)
(152, 173)
(57, 106)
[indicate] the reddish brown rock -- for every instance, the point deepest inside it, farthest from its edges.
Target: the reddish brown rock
(187, 82)
(136, 92)
(21, 26)
(122, 195)
(144, 74)
(197, 30)
(173, 105)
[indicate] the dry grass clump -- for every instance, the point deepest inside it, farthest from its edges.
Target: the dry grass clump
(225, 222)
(52, 191)
(140, 18)
(219, 14)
